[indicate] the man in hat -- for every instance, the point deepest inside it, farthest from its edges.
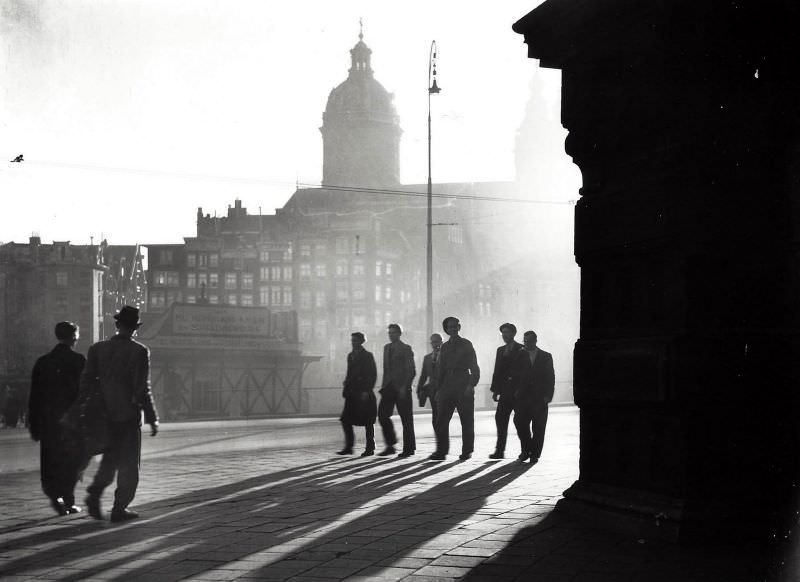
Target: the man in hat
(398, 375)
(504, 385)
(54, 388)
(119, 370)
(360, 408)
(457, 376)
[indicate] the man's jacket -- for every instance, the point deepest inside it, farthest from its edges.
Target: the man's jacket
(503, 381)
(361, 373)
(458, 369)
(536, 381)
(119, 370)
(428, 382)
(398, 365)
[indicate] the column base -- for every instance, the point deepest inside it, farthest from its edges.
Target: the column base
(652, 516)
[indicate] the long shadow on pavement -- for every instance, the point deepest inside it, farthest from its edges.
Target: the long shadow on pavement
(186, 533)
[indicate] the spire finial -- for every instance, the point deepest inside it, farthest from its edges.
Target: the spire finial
(360, 29)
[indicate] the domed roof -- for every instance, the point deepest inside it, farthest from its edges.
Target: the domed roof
(360, 95)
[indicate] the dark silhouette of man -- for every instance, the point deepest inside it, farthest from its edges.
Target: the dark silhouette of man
(504, 385)
(54, 388)
(426, 387)
(534, 393)
(360, 408)
(398, 374)
(119, 370)
(457, 376)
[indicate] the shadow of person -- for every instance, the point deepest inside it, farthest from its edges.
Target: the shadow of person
(394, 526)
(186, 533)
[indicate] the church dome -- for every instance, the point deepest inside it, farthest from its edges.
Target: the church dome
(360, 96)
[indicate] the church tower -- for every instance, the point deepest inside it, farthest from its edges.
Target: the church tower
(360, 129)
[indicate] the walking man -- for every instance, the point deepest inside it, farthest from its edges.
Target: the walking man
(360, 408)
(504, 382)
(398, 374)
(119, 370)
(458, 374)
(54, 387)
(426, 387)
(534, 393)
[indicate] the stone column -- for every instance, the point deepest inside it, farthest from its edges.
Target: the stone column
(683, 119)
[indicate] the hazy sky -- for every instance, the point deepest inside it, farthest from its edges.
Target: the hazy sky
(130, 114)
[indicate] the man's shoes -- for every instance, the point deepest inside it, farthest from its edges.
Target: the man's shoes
(497, 455)
(345, 452)
(73, 509)
(465, 456)
(405, 454)
(368, 453)
(437, 457)
(93, 507)
(390, 450)
(60, 508)
(534, 460)
(523, 456)
(118, 515)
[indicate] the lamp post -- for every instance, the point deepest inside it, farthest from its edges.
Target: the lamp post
(433, 89)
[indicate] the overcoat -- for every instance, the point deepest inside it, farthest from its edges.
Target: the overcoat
(360, 405)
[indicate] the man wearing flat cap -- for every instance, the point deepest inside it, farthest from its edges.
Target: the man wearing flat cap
(118, 369)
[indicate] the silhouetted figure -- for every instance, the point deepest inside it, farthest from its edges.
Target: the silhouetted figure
(398, 374)
(428, 383)
(457, 375)
(504, 385)
(54, 388)
(360, 408)
(119, 370)
(535, 391)
(19, 158)
(11, 407)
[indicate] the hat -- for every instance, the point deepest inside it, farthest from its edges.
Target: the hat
(129, 316)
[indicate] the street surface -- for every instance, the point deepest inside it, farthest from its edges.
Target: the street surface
(268, 500)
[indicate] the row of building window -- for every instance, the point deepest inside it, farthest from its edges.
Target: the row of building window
(273, 273)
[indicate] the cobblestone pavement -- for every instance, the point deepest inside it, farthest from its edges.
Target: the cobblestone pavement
(255, 512)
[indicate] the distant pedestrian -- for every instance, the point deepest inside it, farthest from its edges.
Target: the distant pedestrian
(426, 387)
(457, 375)
(119, 370)
(360, 408)
(503, 386)
(535, 392)
(11, 407)
(54, 388)
(398, 375)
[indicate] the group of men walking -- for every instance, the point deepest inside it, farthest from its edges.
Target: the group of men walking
(80, 407)
(523, 383)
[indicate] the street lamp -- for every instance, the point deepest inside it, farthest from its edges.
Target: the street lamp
(433, 89)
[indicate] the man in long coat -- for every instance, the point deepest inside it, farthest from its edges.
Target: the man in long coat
(504, 385)
(535, 392)
(457, 375)
(54, 387)
(119, 369)
(360, 408)
(428, 382)
(398, 374)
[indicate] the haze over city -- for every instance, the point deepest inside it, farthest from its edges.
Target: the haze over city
(165, 107)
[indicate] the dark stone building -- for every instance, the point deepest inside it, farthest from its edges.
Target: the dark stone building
(683, 120)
